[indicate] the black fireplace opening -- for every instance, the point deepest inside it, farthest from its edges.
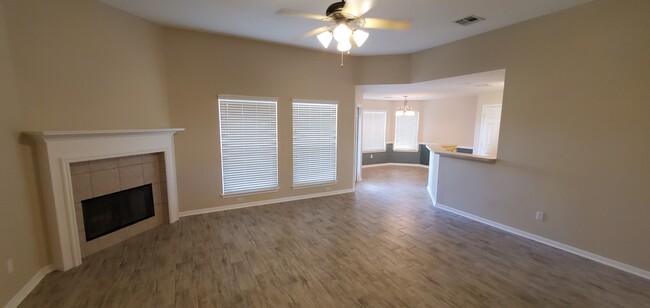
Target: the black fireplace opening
(109, 213)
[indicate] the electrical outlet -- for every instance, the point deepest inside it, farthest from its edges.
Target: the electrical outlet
(10, 266)
(539, 215)
(371, 155)
(240, 200)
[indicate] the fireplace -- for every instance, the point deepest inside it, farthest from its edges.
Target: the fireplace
(82, 165)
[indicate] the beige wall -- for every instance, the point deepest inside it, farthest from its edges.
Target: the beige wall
(21, 230)
(65, 65)
(485, 98)
(83, 65)
(395, 69)
(448, 121)
(200, 66)
(574, 138)
(444, 121)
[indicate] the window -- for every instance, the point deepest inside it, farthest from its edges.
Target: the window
(314, 143)
(374, 131)
(249, 144)
(406, 133)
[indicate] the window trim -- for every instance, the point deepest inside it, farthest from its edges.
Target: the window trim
(417, 135)
(277, 145)
(336, 144)
(385, 127)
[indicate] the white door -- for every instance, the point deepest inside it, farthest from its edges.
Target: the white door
(489, 135)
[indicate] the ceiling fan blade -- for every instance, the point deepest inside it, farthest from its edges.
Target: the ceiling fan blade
(315, 32)
(378, 23)
(296, 13)
(358, 7)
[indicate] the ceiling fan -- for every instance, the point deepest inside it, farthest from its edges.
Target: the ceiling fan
(345, 22)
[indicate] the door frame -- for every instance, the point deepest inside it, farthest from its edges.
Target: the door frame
(358, 153)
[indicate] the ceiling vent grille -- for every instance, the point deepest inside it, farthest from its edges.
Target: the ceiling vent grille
(469, 20)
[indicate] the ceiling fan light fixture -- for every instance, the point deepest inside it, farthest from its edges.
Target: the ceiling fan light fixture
(325, 38)
(345, 20)
(344, 45)
(342, 32)
(360, 37)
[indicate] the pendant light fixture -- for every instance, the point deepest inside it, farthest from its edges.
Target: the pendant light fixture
(404, 110)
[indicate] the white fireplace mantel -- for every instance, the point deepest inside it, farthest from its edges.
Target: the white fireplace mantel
(56, 150)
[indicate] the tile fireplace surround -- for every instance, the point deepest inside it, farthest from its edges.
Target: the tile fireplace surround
(97, 178)
(59, 150)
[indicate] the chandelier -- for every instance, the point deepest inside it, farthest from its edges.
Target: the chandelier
(404, 110)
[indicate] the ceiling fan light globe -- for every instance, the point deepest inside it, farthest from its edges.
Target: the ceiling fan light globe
(325, 38)
(344, 46)
(342, 32)
(360, 37)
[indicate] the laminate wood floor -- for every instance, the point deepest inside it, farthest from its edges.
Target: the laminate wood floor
(383, 246)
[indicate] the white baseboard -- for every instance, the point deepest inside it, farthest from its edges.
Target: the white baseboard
(29, 286)
(395, 164)
(585, 254)
(262, 202)
(433, 199)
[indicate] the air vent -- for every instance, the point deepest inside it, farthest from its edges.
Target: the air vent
(469, 20)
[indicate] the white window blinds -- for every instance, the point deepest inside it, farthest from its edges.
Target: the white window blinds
(373, 137)
(314, 143)
(249, 144)
(406, 133)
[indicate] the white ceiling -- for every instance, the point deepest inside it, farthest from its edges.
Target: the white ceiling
(432, 20)
(438, 89)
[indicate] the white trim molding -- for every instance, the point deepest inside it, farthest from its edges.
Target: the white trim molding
(576, 251)
(58, 149)
(29, 287)
(395, 164)
(432, 182)
(432, 194)
(262, 202)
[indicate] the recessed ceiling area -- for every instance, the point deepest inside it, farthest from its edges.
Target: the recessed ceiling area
(459, 86)
(433, 21)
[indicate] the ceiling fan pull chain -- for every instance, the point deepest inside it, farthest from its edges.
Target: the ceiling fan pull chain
(341, 58)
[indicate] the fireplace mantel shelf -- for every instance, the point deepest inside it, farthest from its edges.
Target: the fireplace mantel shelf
(93, 133)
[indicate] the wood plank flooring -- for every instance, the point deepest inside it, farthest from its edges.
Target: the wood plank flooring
(383, 246)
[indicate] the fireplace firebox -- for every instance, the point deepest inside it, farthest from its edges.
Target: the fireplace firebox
(105, 214)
